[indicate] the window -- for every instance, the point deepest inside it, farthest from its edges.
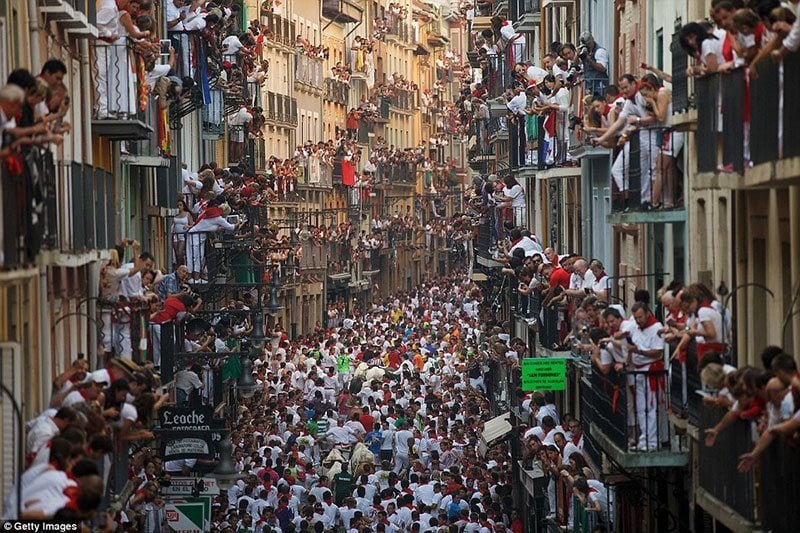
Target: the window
(659, 49)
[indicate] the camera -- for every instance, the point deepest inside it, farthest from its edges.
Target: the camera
(233, 219)
(583, 52)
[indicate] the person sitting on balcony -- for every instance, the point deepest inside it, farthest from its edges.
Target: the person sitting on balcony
(704, 323)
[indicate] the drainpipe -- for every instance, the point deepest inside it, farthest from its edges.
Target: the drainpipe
(45, 348)
(33, 31)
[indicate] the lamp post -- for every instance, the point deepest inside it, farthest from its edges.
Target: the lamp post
(225, 473)
(246, 385)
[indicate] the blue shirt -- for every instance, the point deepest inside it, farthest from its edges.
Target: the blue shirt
(373, 440)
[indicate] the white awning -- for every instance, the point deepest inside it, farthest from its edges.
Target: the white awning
(494, 430)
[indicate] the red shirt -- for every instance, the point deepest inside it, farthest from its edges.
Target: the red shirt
(367, 421)
(559, 276)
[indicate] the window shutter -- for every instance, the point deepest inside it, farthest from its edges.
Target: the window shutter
(11, 378)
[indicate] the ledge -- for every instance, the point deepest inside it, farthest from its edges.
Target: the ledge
(487, 262)
(637, 460)
(716, 508)
(716, 180)
(686, 121)
(661, 216)
(117, 129)
(528, 22)
(559, 172)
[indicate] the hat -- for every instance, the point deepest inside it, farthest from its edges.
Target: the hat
(125, 364)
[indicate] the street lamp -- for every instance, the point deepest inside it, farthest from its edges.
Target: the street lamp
(225, 473)
(257, 339)
(246, 385)
(274, 307)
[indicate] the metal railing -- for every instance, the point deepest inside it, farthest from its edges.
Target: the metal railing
(629, 408)
(279, 29)
(392, 173)
(358, 61)
(720, 110)
(717, 464)
(308, 70)
(313, 256)
(498, 75)
(281, 108)
(402, 99)
(337, 91)
(685, 383)
(645, 172)
(116, 83)
(681, 99)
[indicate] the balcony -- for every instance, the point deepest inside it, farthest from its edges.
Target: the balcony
(642, 172)
(403, 100)
(280, 31)
(606, 403)
(525, 14)
(280, 110)
(78, 18)
(399, 31)
(401, 173)
(117, 115)
(760, 499)
(772, 156)
(308, 73)
(337, 91)
(313, 256)
(498, 80)
(358, 64)
(684, 115)
(341, 11)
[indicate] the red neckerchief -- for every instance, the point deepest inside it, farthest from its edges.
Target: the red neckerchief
(727, 48)
(706, 304)
(650, 321)
(514, 243)
(576, 439)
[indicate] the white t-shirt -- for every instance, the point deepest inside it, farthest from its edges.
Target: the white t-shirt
(709, 314)
(712, 46)
(517, 195)
(646, 339)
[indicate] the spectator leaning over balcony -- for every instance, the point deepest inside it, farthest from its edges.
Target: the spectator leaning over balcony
(111, 276)
(511, 41)
(175, 15)
(210, 220)
(595, 64)
(646, 349)
(236, 138)
(131, 292)
(635, 114)
(512, 200)
(699, 41)
(703, 325)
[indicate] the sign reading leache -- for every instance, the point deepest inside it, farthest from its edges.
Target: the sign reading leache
(544, 374)
(188, 419)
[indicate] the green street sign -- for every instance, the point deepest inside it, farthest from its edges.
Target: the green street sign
(187, 517)
(544, 374)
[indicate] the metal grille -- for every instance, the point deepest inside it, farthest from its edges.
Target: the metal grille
(733, 103)
(680, 82)
(707, 89)
(764, 113)
(717, 464)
